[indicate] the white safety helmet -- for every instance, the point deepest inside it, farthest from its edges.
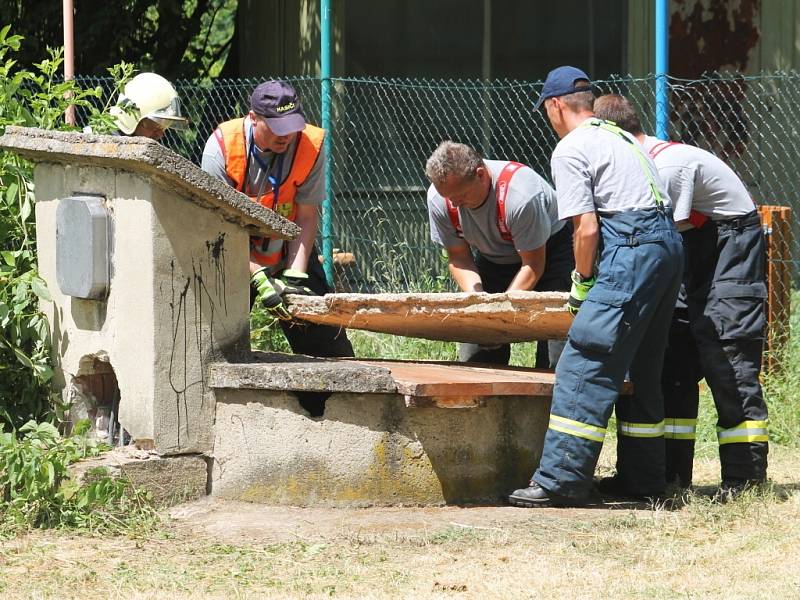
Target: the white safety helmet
(148, 96)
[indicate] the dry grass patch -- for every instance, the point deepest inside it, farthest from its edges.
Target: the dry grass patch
(746, 549)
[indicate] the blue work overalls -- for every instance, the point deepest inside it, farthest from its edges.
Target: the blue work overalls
(621, 328)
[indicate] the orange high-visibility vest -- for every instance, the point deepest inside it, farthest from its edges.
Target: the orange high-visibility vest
(233, 142)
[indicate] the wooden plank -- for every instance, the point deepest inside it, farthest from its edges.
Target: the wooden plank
(433, 379)
(776, 221)
(454, 380)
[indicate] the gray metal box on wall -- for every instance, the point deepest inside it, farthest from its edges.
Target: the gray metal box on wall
(82, 247)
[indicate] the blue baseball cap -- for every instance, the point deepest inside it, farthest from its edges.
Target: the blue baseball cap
(560, 82)
(277, 102)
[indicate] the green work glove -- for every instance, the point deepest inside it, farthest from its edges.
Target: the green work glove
(294, 282)
(580, 289)
(269, 296)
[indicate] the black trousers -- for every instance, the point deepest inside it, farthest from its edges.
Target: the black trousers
(310, 338)
(496, 277)
(717, 332)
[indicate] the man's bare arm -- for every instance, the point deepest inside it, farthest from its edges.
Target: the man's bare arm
(530, 271)
(585, 240)
(462, 268)
(299, 249)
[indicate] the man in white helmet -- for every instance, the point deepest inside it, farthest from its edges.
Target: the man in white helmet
(147, 106)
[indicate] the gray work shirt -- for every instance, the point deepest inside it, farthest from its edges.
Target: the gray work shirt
(698, 180)
(531, 217)
(311, 191)
(596, 169)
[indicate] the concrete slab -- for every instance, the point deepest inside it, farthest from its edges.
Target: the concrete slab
(479, 318)
(148, 157)
(296, 372)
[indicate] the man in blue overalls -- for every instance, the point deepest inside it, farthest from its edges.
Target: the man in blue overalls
(718, 327)
(610, 189)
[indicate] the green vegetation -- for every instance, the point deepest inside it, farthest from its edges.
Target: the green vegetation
(37, 490)
(190, 39)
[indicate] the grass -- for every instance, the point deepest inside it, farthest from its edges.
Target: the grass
(745, 549)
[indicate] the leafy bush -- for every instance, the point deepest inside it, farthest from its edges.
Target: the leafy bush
(34, 99)
(36, 489)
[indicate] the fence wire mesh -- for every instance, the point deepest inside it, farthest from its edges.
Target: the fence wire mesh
(384, 130)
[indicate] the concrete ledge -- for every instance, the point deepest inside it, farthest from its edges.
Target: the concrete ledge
(170, 479)
(143, 155)
(370, 449)
(277, 371)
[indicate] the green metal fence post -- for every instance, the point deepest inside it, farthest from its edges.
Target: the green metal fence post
(327, 206)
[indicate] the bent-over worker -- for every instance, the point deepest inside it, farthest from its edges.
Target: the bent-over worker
(498, 222)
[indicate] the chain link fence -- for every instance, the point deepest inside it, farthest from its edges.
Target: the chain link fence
(384, 130)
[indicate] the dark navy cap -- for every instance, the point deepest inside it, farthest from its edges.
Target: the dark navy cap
(560, 82)
(277, 102)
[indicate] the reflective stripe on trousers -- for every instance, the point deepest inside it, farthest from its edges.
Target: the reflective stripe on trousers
(576, 428)
(648, 430)
(745, 432)
(680, 429)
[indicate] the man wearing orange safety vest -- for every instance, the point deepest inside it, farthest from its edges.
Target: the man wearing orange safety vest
(273, 156)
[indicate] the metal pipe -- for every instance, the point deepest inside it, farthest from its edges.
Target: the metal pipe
(327, 205)
(662, 68)
(69, 55)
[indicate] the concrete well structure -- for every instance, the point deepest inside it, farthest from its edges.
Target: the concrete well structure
(146, 260)
(147, 270)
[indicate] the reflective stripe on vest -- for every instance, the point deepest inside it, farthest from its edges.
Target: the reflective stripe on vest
(747, 431)
(576, 428)
(640, 430)
(501, 191)
(696, 218)
(232, 139)
(611, 127)
(680, 429)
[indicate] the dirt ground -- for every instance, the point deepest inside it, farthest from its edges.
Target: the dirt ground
(211, 549)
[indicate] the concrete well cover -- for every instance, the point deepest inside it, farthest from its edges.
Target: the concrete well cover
(479, 318)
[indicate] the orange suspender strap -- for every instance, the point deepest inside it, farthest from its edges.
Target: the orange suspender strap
(696, 219)
(501, 192)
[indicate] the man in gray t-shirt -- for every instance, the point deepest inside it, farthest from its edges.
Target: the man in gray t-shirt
(498, 222)
(718, 326)
(622, 304)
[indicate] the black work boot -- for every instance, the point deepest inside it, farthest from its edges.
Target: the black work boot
(536, 496)
(730, 489)
(613, 486)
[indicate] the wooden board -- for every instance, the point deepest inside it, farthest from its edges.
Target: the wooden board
(479, 318)
(776, 221)
(454, 385)
(436, 379)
